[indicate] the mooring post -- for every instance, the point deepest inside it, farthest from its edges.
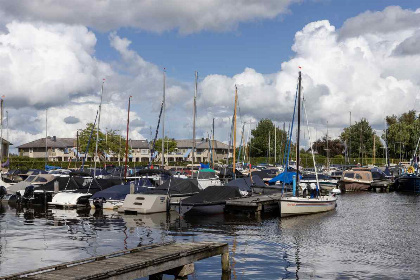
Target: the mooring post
(225, 261)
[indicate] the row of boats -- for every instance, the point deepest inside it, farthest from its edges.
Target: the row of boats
(204, 192)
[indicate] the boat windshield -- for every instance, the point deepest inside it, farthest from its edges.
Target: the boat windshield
(349, 175)
(30, 178)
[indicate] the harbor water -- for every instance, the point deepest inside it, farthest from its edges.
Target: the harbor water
(369, 235)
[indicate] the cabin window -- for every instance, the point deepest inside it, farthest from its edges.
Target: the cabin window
(349, 175)
(358, 177)
(41, 180)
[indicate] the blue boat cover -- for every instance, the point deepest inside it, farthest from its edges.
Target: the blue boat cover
(286, 177)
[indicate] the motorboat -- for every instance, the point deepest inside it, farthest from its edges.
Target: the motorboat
(407, 183)
(159, 199)
(358, 179)
(85, 187)
(17, 191)
(113, 197)
(207, 177)
(326, 183)
(210, 201)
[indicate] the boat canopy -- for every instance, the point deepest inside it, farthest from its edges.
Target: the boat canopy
(212, 195)
(286, 177)
(205, 174)
(178, 186)
(246, 183)
(119, 192)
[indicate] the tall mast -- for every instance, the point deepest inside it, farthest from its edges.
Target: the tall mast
(328, 152)
(269, 136)
(386, 145)
(46, 133)
(298, 131)
(7, 132)
(97, 129)
(1, 133)
(350, 139)
(234, 133)
(126, 140)
(194, 113)
(163, 117)
(275, 144)
(212, 146)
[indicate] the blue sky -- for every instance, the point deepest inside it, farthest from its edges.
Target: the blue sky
(262, 45)
(371, 69)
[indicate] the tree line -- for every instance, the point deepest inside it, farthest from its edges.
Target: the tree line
(356, 142)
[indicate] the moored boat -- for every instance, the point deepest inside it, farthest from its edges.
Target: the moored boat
(292, 206)
(359, 179)
(407, 183)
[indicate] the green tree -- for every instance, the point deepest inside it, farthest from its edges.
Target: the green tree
(359, 138)
(170, 145)
(109, 142)
(259, 142)
(335, 146)
(402, 134)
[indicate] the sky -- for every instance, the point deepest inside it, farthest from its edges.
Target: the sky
(358, 56)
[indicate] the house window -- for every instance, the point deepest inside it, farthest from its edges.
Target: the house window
(144, 151)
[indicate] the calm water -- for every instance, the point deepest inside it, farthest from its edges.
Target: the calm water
(369, 236)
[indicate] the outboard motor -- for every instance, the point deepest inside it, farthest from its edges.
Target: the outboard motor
(99, 202)
(29, 192)
(3, 192)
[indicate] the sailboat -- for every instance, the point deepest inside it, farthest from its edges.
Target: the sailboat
(301, 205)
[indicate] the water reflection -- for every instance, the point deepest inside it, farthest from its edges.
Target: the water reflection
(367, 235)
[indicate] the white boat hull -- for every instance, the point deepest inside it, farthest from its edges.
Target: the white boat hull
(144, 203)
(109, 204)
(292, 206)
(204, 183)
(64, 199)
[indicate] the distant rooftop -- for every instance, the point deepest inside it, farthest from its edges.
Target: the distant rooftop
(52, 142)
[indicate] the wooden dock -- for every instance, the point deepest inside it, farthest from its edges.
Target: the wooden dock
(254, 204)
(153, 261)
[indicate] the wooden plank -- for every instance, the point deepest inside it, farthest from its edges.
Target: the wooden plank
(136, 264)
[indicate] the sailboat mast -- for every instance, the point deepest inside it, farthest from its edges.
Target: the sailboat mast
(298, 131)
(97, 130)
(163, 118)
(1, 133)
(7, 131)
(328, 152)
(234, 133)
(275, 144)
(212, 146)
(126, 140)
(194, 113)
(46, 133)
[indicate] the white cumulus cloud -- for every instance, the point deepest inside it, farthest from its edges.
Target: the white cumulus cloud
(185, 16)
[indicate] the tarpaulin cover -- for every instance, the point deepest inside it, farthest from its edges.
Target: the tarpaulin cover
(179, 186)
(119, 192)
(245, 184)
(286, 177)
(213, 194)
